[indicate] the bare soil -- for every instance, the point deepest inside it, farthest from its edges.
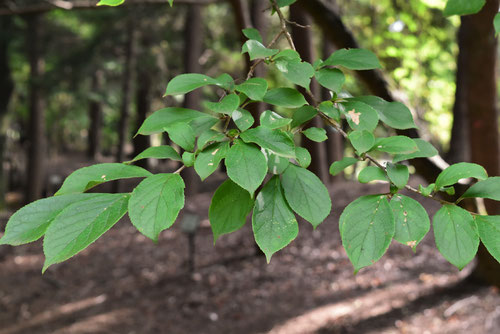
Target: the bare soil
(125, 283)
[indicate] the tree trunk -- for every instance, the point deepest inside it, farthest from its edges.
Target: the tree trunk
(260, 22)
(459, 142)
(335, 142)
(194, 32)
(95, 116)
(128, 77)
(479, 46)
(36, 125)
(127, 81)
(305, 47)
(143, 106)
(6, 88)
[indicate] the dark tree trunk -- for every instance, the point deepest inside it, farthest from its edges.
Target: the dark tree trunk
(330, 22)
(6, 88)
(260, 22)
(459, 145)
(95, 116)
(479, 47)
(127, 82)
(305, 47)
(194, 32)
(335, 142)
(143, 106)
(36, 125)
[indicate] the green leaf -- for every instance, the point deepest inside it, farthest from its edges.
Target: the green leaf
(171, 2)
(30, 222)
(496, 23)
(285, 97)
(158, 152)
(360, 116)
(229, 208)
(225, 106)
(257, 50)
(306, 194)
(208, 160)
(208, 137)
(166, 117)
(488, 228)
(327, 108)
(315, 134)
(246, 166)
(456, 172)
(80, 224)
(252, 33)
(425, 150)
(339, 166)
(463, 7)
(412, 221)
(155, 204)
(287, 54)
(272, 120)
(372, 173)
(299, 73)
(284, 3)
(362, 141)
(188, 82)
(332, 79)
(302, 156)
(85, 178)
(426, 191)
(394, 114)
(254, 88)
(112, 3)
(353, 59)
(396, 145)
(272, 139)
(489, 188)
(455, 234)
(203, 124)
(303, 115)
(275, 164)
(273, 222)
(243, 119)
(188, 159)
(182, 134)
(367, 228)
(398, 174)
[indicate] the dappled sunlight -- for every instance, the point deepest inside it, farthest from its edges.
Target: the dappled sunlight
(54, 314)
(374, 303)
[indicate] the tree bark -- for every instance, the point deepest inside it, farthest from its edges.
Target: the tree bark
(459, 142)
(143, 105)
(6, 88)
(95, 116)
(127, 81)
(194, 32)
(479, 46)
(36, 125)
(335, 142)
(303, 40)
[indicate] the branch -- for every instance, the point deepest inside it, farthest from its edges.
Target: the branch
(339, 35)
(44, 6)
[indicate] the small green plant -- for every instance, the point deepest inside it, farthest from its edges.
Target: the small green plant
(266, 169)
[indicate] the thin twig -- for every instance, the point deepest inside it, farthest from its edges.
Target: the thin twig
(283, 25)
(180, 169)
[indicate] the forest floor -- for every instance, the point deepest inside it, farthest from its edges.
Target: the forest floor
(126, 284)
